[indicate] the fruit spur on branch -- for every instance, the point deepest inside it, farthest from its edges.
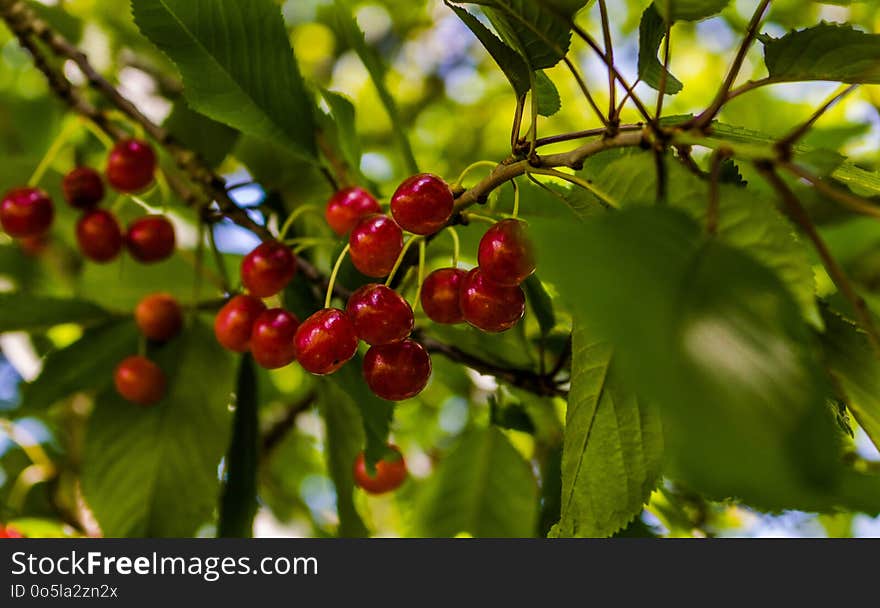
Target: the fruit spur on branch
(395, 366)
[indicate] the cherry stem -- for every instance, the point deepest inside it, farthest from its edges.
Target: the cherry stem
(52, 153)
(422, 253)
(296, 213)
(515, 197)
(218, 259)
(303, 246)
(105, 140)
(164, 188)
(480, 218)
(332, 280)
(456, 245)
(472, 166)
(400, 257)
(308, 240)
(577, 181)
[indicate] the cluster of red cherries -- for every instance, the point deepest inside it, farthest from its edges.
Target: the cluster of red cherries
(26, 213)
(395, 366)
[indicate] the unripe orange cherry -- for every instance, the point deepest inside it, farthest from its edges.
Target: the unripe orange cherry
(139, 380)
(159, 317)
(390, 473)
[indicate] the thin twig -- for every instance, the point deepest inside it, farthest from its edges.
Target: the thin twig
(281, 427)
(714, 194)
(797, 212)
(583, 87)
(609, 60)
(847, 199)
(798, 132)
(703, 120)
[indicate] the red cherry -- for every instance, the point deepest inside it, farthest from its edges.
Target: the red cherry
(397, 371)
(422, 204)
(10, 532)
(268, 269)
(347, 206)
(325, 341)
(139, 380)
(440, 295)
(159, 317)
(375, 243)
(380, 315)
(26, 212)
(150, 239)
(272, 338)
(489, 306)
(131, 165)
(506, 255)
(83, 188)
(99, 235)
(390, 473)
(235, 321)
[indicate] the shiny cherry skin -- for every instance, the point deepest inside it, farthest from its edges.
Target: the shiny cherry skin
(234, 322)
(489, 306)
(159, 317)
(422, 204)
(99, 236)
(375, 242)
(380, 315)
(150, 239)
(83, 188)
(26, 212)
(397, 371)
(272, 338)
(131, 165)
(506, 255)
(440, 295)
(347, 206)
(139, 380)
(11, 532)
(325, 341)
(390, 472)
(268, 269)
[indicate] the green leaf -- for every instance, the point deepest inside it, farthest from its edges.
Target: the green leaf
(483, 487)
(613, 447)
(689, 10)
(23, 312)
(236, 63)
(345, 438)
(824, 52)
(152, 471)
(538, 32)
(652, 30)
(851, 360)
(510, 62)
(211, 139)
(238, 503)
(371, 59)
(714, 339)
(745, 219)
(549, 102)
(376, 413)
(861, 181)
(85, 365)
(341, 122)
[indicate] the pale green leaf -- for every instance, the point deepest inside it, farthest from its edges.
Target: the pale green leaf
(153, 471)
(613, 446)
(237, 65)
(824, 52)
(483, 487)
